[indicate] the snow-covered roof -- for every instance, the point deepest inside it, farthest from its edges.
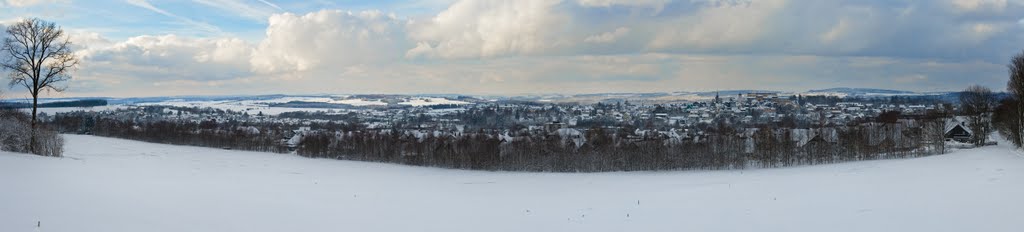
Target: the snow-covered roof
(804, 136)
(953, 123)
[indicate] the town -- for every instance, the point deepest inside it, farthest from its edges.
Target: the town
(574, 127)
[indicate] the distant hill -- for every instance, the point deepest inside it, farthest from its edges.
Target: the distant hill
(725, 93)
(305, 104)
(345, 101)
(74, 103)
(860, 91)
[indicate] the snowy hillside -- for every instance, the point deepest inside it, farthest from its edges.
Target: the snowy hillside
(117, 185)
(264, 104)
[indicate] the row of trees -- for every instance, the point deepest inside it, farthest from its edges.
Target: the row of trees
(605, 151)
(1008, 115)
(566, 150)
(209, 133)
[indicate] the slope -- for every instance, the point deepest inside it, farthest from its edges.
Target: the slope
(118, 185)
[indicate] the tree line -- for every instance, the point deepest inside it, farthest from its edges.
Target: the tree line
(593, 149)
(1007, 116)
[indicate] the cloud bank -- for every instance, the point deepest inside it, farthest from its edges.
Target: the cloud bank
(537, 46)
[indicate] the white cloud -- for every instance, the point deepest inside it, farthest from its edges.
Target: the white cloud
(658, 5)
(25, 3)
(531, 46)
(328, 38)
(608, 37)
(979, 5)
(83, 41)
(171, 57)
(836, 31)
(490, 28)
(718, 25)
(976, 33)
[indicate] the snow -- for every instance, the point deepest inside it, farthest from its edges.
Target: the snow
(429, 101)
(247, 106)
(118, 185)
(348, 101)
(361, 102)
(55, 110)
(264, 105)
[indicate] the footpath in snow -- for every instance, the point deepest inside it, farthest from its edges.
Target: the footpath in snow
(118, 185)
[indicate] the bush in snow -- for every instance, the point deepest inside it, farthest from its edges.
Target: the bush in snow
(16, 135)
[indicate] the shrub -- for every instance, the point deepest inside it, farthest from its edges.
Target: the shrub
(16, 135)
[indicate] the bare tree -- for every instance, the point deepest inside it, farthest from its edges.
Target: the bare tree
(977, 103)
(38, 55)
(1005, 120)
(1016, 87)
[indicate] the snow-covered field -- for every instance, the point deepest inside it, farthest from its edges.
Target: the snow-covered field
(117, 185)
(264, 105)
(247, 106)
(430, 101)
(55, 110)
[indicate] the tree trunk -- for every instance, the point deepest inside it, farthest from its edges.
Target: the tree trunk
(1020, 124)
(32, 137)
(35, 105)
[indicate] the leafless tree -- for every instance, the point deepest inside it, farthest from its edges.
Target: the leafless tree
(38, 55)
(977, 103)
(1016, 87)
(1006, 121)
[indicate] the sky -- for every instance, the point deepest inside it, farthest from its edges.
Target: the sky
(136, 48)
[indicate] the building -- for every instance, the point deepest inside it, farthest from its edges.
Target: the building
(957, 130)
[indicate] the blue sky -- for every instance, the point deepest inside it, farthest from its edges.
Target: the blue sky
(155, 47)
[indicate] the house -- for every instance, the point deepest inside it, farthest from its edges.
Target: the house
(957, 130)
(293, 141)
(572, 137)
(554, 126)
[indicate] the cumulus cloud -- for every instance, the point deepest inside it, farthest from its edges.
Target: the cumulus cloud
(658, 5)
(172, 57)
(834, 28)
(490, 28)
(328, 38)
(504, 46)
(496, 28)
(720, 25)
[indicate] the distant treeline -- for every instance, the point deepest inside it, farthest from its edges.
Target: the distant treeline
(909, 100)
(305, 104)
(75, 103)
(325, 105)
(207, 133)
(562, 150)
